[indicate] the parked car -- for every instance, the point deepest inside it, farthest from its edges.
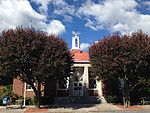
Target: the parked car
(5, 100)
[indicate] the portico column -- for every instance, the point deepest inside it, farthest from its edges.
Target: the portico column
(86, 81)
(99, 87)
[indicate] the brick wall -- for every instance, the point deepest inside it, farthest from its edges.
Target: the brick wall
(30, 94)
(18, 88)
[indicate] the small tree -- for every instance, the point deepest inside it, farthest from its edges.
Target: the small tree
(126, 57)
(34, 56)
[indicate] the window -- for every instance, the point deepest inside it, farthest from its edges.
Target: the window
(76, 42)
(92, 80)
(78, 74)
(92, 83)
(63, 84)
(28, 87)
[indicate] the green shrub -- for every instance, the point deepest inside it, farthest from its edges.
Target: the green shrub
(111, 99)
(7, 91)
(1, 96)
(20, 98)
(31, 101)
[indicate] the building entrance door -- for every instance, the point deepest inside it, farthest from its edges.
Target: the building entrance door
(78, 88)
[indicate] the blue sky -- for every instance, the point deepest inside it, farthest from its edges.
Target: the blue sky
(93, 19)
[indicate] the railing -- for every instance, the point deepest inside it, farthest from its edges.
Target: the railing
(145, 100)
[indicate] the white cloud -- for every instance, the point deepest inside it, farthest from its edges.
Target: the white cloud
(114, 15)
(61, 7)
(120, 27)
(67, 18)
(91, 24)
(19, 13)
(14, 13)
(147, 3)
(43, 5)
(84, 46)
(55, 27)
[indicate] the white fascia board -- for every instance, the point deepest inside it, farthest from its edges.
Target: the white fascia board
(82, 61)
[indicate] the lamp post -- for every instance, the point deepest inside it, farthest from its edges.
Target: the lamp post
(24, 95)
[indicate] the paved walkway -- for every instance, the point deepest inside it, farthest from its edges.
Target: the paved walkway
(85, 108)
(76, 109)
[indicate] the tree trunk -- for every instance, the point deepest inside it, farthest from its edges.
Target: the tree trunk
(124, 100)
(37, 91)
(127, 93)
(128, 98)
(38, 95)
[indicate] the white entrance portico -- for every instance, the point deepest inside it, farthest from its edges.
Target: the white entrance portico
(80, 83)
(79, 79)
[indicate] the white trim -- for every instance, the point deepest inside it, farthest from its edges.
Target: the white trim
(29, 90)
(30, 86)
(75, 41)
(67, 83)
(80, 65)
(93, 89)
(82, 61)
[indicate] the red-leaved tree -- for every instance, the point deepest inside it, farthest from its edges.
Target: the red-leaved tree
(33, 56)
(126, 57)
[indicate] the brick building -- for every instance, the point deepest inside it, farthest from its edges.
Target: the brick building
(79, 84)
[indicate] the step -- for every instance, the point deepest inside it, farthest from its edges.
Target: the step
(77, 100)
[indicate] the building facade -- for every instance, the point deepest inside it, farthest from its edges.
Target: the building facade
(81, 83)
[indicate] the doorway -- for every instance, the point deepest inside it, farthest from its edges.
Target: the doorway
(78, 88)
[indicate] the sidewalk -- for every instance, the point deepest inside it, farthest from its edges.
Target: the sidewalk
(146, 107)
(106, 107)
(130, 108)
(3, 109)
(76, 109)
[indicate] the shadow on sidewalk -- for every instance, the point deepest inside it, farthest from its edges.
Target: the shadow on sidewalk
(71, 106)
(75, 102)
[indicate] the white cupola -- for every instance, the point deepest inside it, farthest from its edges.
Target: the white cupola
(75, 40)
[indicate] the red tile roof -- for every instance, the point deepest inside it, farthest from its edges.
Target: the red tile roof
(79, 55)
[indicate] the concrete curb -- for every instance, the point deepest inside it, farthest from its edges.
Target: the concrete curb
(82, 108)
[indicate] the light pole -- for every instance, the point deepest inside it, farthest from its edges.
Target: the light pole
(24, 95)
